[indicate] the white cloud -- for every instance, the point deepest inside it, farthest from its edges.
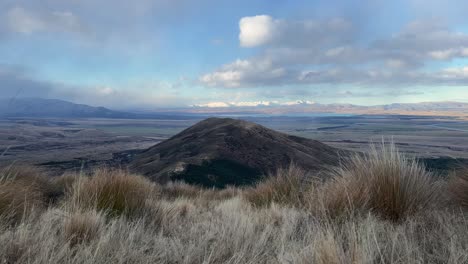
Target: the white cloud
(254, 103)
(213, 104)
(105, 90)
(455, 73)
(25, 21)
(229, 78)
(22, 21)
(464, 52)
(243, 71)
(449, 53)
(327, 52)
(19, 82)
(423, 41)
(264, 30)
(334, 52)
(256, 30)
(298, 102)
(442, 54)
(396, 63)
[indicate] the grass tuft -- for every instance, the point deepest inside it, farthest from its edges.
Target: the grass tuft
(82, 227)
(458, 188)
(384, 182)
(174, 190)
(65, 182)
(285, 187)
(115, 192)
(22, 189)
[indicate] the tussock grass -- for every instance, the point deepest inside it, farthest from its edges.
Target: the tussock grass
(389, 203)
(384, 182)
(284, 187)
(65, 182)
(458, 187)
(113, 191)
(17, 200)
(22, 189)
(82, 227)
(231, 231)
(223, 194)
(31, 176)
(173, 190)
(177, 190)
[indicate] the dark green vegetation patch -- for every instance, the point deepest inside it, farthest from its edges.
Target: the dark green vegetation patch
(219, 173)
(444, 165)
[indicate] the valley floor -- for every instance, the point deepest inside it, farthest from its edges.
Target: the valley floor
(65, 144)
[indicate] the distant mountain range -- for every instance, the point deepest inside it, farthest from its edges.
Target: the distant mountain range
(426, 108)
(39, 107)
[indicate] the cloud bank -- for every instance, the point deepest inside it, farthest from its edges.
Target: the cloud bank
(123, 53)
(329, 52)
(23, 21)
(16, 81)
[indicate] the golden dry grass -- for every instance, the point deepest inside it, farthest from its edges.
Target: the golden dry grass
(285, 187)
(458, 187)
(115, 192)
(17, 200)
(384, 183)
(389, 203)
(174, 190)
(65, 182)
(22, 189)
(82, 227)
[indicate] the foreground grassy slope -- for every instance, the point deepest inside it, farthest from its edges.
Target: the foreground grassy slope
(383, 208)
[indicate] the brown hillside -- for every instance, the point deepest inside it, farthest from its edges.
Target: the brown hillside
(225, 151)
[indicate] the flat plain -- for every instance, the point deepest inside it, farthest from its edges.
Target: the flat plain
(64, 144)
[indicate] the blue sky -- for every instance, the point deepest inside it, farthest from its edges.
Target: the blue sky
(172, 53)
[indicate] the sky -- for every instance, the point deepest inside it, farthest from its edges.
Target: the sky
(148, 54)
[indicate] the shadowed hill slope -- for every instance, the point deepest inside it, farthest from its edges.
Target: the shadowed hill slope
(224, 151)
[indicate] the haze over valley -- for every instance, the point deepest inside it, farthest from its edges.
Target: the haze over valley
(61, 135)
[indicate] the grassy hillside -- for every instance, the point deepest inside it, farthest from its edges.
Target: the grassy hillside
(383, 208)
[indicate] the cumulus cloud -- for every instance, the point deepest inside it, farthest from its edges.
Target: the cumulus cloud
(449, 53)
(452, 75)
(457, 72)
(256, 30)
(325, 52)
(265, 30)
(422, 41)
(241, 71)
